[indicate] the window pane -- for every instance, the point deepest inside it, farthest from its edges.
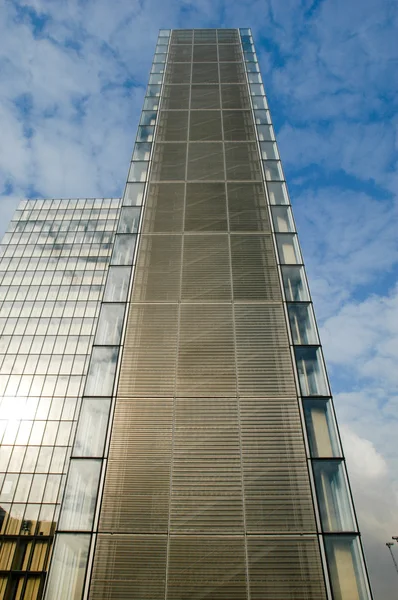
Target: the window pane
(311, 373)
(277, 193)
(265, 133)
(321, 429)
(68, 567)
(153, 90)
(123, 249)
(282, 219)
(294, 283)
(138, 171)
(109, 328)
(142, 151)
(152, 102)
(333, 499)
(117, 284)
(346, 568)
(145, 134)
(80, 495)
(273, 170)
(134, 194)
(259, 102)
(101, 373)
(288, 249)
(91, 431)
(129, 219)
(302, 324)
(269, 150)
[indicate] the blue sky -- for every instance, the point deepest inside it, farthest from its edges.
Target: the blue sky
(72, 84)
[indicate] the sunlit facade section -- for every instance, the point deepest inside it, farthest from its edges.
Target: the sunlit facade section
(55, 258)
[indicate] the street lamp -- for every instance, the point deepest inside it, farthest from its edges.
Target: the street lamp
(389, 545)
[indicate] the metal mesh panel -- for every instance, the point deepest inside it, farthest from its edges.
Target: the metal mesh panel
(242, 161)
(204, 36)
(207, 494)
(230, 52)
(206, 270)
(129, 568)
(175, 97)
(172, 126)
(148, 366)
(206, 161)
(164, 208)
(179, 53)
(277, 491)
(254, 269)
(205, 207)
(247, 207)
(264, 363)
(235, 96)
(203, 567)
(204, 73)
(169, 162)
(181, 36)
(205, 96)
(206, 352)
(205, 125)
(178, 73)
(157, 274)
(285, 569)
(205, 53)
(238, 125)
(232, 72)
(227, 36)
(137, 486)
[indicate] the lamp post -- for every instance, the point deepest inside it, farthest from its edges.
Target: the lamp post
(389, 545)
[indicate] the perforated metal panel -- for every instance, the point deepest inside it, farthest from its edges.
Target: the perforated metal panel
(137, 487)
(205, 208)
(206, 567)
(206, 161)
(285, 569)
(173, 126)
(206, 354)
(207, 489)
(149, 357)
(205, 96)
(179, 53)
(229, 52)
(205, 125)
(169, 162)
(264, 363)
(204, 73)
(238, 125)
(157, 274)
(247, 207)
(204, 53)
(235, 96)
(175, 97)
(232, 72)
(242, 161)
(254, 271)
(206, 270)
(178, 73)
(129, 568)
(164, 209)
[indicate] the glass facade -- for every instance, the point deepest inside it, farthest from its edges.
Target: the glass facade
(54, 263)
(167, 416)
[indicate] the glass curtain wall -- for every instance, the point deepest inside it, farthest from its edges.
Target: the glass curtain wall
(55, 258)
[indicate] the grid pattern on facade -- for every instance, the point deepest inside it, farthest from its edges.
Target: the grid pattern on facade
(54, 261)
(206, 355)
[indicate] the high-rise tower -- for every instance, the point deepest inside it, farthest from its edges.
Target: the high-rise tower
(168, 426)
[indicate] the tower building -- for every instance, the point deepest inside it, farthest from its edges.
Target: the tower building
(168, 431)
